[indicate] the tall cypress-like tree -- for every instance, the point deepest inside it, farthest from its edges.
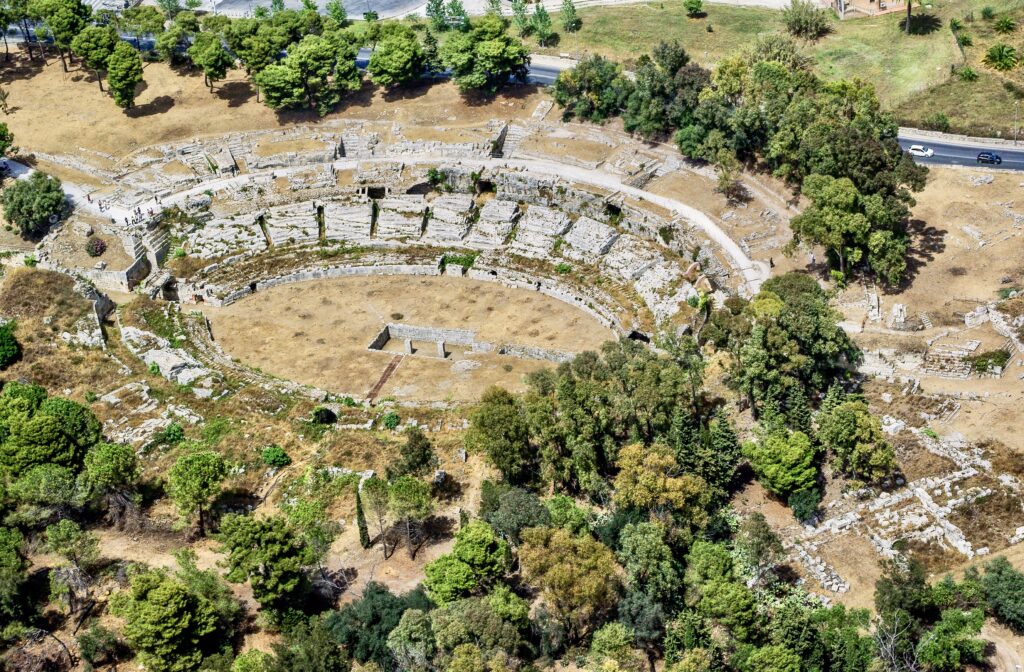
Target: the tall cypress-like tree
(798, 412)
(364, 532)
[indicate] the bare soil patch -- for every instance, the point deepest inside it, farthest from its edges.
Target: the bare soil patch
(318, 332)
(62, 113)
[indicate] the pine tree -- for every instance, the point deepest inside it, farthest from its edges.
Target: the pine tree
(436, 14)
(519, 17)
(364, 532)
(835, 396)
(542, 24)
(430, 56)
(570, 19)
(724, 452)
(798, 413)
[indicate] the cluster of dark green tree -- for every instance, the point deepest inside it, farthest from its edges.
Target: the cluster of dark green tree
(30, 204)
(56, 476)
(297, 59)
(789, 360)
(764, 106)
(76, 31)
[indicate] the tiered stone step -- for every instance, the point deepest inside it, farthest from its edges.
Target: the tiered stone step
(629, 257)
(449, 218)
(947, 362)
(222, 237)
(588, 239)
(290, 224)
(350, 221)
(513, 136)
(493, 226)
(538, 231)
(401, 217)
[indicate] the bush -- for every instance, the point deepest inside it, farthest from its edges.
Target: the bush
(964, 39)
(988, 13)
(95, 247)
(97, 645)
(1005, 25)
(390, 420)
(10, 350)
(694, 8)
(805, 19)
(804, 504)
(937, 122)
(324, 416)
(172, 435)
(274, 456)
(986, 361)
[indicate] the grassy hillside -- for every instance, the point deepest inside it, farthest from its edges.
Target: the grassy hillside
(911, 73)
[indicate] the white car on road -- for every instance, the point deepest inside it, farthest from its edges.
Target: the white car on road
(921, 150)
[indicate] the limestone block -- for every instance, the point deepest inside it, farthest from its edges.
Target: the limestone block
(588, 239)
(629, 257)
(493, 226)
(295, 223)
(348, 220)
(449, 217)
(401, 216)
(539, 230)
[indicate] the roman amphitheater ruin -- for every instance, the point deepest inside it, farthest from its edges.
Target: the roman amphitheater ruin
(492, 203)
(498, 248)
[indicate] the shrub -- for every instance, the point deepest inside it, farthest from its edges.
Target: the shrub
(274, 456)
(10, 350)
(804, 503)
(694, 8)
(172, 435)
(986, 361)
(805, 19)
(95, 247)
(937, 122)
(955, 24)
(435, 177)
(968, 74)
(964, 39)
(390, 420)
(324, 416)
(563, 268)
(1004, 25)
(988, 13)
(1001, 57)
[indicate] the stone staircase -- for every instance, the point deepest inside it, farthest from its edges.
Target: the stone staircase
(926, 321)
(947, 362)
(513, 136)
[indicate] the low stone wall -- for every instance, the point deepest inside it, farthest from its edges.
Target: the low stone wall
(208, 293)
(531, 352)
(432, 334)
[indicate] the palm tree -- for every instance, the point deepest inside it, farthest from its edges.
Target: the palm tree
(910, 4)
(1001, 57)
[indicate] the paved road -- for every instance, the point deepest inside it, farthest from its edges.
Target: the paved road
(962, 153)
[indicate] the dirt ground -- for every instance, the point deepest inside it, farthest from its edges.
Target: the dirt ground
(318, 332)
(171, 101)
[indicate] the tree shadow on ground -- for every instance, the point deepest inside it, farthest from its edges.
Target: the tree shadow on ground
(236, 93)
(158, 105)
(511, 92)
(922, 24)
(926, 242)
(407, 92)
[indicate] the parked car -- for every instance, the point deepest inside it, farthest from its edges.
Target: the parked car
(921, 150)
(989, 157)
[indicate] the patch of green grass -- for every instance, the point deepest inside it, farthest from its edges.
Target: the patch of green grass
(877, 50)
(630, 31)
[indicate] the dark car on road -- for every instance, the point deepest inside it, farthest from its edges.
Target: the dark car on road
(989, 157)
